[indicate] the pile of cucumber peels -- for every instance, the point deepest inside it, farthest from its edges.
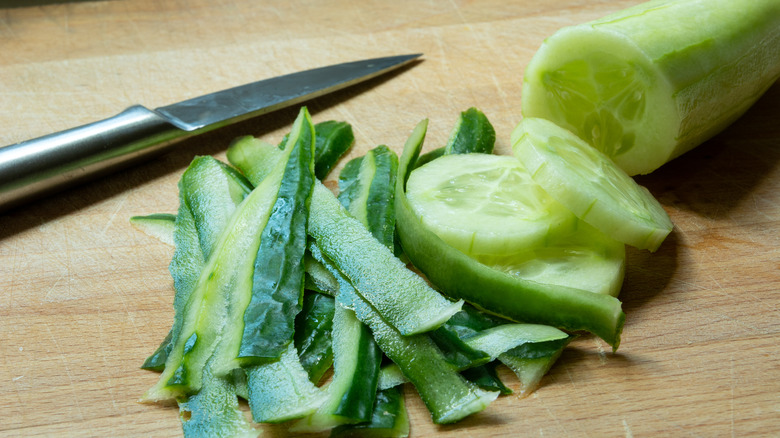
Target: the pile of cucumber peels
(277, 281)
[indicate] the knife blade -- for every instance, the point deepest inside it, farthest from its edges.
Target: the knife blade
(41, 166)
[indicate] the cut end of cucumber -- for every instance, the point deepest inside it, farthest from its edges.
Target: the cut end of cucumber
(589, 184)
(604, 89)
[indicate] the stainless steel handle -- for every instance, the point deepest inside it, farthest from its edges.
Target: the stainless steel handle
(53, 162)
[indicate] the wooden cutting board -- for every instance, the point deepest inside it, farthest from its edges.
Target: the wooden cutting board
(84, 297)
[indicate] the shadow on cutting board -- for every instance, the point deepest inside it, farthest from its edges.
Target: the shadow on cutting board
(714, 178)
(709, 182)
(176, 160)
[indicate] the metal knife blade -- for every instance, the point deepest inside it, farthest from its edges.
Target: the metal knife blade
(56, 161)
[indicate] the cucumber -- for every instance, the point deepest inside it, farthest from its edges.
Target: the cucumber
(332, 139)
(313, 331)
(401, 296)
(446, 394)
(207, 185)
(531, 361)
(589, 184)
(212, 319)
(366, 190)
(461, 277)
(485, 204)
(277, 282)
(584, 259)
(473, 133)
(351, 393)
(486, 377)
(648, 83)
(215, 411)
(281, 391)
(389, 419)
(158, 225)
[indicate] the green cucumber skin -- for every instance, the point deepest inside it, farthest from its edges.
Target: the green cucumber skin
(473, 133)
(388, 419)
(352, 391)
(367, 184)
(400, 295)
(712, 58)
(215, 411)
(223, 288)
(350, 187)
(281, 391)
(380, 203)
(333, 140)
(357, 400)
(486, 377)
(456, 350)
(530, 362)
(447, 395)
(277, 283)
(206, 184)
(511, 297)
(312, 338)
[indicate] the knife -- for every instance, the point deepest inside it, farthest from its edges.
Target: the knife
(53, 162)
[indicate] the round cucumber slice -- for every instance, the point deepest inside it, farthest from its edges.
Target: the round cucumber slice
(584, 259)
(589, 184)
(485, 204)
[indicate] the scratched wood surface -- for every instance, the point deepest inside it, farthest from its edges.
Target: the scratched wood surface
(84, 297)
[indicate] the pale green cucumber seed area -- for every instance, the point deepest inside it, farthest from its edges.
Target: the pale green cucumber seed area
(484, 204)
(606, 91)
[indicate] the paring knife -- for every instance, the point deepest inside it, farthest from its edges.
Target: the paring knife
(40, 166)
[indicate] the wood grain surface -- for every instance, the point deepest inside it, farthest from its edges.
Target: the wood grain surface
(84, 297)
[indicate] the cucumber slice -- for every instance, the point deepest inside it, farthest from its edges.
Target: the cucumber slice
(653, 81)
(489, 289)
(485, 204)
(589, 184)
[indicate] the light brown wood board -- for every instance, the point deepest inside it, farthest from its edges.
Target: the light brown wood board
(84, 297)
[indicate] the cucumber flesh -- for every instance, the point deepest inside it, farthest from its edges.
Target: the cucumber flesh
(461, 277)
(651, 82)
(485, 204)
(589, 184)
(586, 259)
(159, 225)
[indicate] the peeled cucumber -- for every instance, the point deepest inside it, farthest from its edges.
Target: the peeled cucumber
(646, 84)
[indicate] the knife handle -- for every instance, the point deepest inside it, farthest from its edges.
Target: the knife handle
(53, 162)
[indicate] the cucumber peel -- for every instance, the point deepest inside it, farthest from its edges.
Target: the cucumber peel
(401, 296)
